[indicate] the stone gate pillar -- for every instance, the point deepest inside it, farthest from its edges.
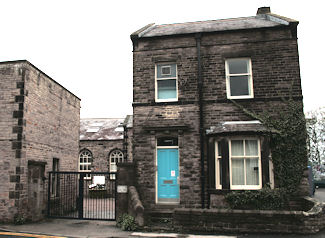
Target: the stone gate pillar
(125, 178)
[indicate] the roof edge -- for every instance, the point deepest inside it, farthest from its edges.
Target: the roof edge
(262, 13)
(213, 32)
(287, 19)
(142, 31)
(127, 119)
(33, 66)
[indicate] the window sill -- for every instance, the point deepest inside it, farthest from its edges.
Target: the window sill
(246, 188)
(167, 100)
(241, 97)
(226, 191)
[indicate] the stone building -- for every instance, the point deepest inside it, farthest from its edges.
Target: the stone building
(104, 142)
(191, 142)
(39, 126)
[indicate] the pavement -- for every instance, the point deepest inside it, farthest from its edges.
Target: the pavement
(55, 228)
(69, 228)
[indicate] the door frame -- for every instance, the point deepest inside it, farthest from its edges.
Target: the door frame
(156, 166)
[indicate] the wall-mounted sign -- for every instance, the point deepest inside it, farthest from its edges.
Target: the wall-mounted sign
(172, 173)
(122, 188)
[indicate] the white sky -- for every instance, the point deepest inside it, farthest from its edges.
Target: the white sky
(86, 46)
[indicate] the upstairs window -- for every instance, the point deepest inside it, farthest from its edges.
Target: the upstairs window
(239, 78)
(166, 83)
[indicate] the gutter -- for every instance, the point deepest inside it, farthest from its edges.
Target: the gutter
(201, 130)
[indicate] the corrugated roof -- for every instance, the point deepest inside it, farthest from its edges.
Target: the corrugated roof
(252, 22)
(101, 129)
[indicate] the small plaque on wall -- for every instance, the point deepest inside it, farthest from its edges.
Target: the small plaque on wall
(122, 188)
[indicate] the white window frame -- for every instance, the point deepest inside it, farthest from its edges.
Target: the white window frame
(217, 167)
(168, 78)
(89, 162)
(250, 79)
(246, 187)
(166, 66)
(116, 157)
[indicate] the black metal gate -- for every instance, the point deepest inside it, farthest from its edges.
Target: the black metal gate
(81, 195)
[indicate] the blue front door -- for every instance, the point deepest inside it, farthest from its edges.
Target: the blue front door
(168, 172)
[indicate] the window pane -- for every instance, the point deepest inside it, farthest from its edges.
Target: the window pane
(251, 147)
(80, 167)
(237, 148)
(220, 171)
(238, 66)
(113, 168)
(237, 171)
(163, 69)
(252, 171)
(239, 85)
(166, 89)
(167, 141)
(219, 149)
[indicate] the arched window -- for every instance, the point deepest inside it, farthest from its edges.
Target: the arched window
(115, 157)
(85, 159)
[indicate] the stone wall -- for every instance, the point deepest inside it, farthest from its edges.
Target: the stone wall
(10, 82)
(44, 125)
(100, 151)
(144, 147)
(129, 141)
(275, 70)
(251, 221)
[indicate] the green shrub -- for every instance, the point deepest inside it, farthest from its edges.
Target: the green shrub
(19, 219)
(264, 199)
(126, 222)
(287, 136)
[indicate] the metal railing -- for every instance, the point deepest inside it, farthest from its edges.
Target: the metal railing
(82, 195)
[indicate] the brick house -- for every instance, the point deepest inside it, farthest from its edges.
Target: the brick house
(104, 142)
(191, 143)
(39, 132)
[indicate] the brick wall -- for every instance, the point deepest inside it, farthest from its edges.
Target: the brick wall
(41, 118)
(275, 69)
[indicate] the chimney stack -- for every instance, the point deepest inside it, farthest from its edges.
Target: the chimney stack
(263, 10)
